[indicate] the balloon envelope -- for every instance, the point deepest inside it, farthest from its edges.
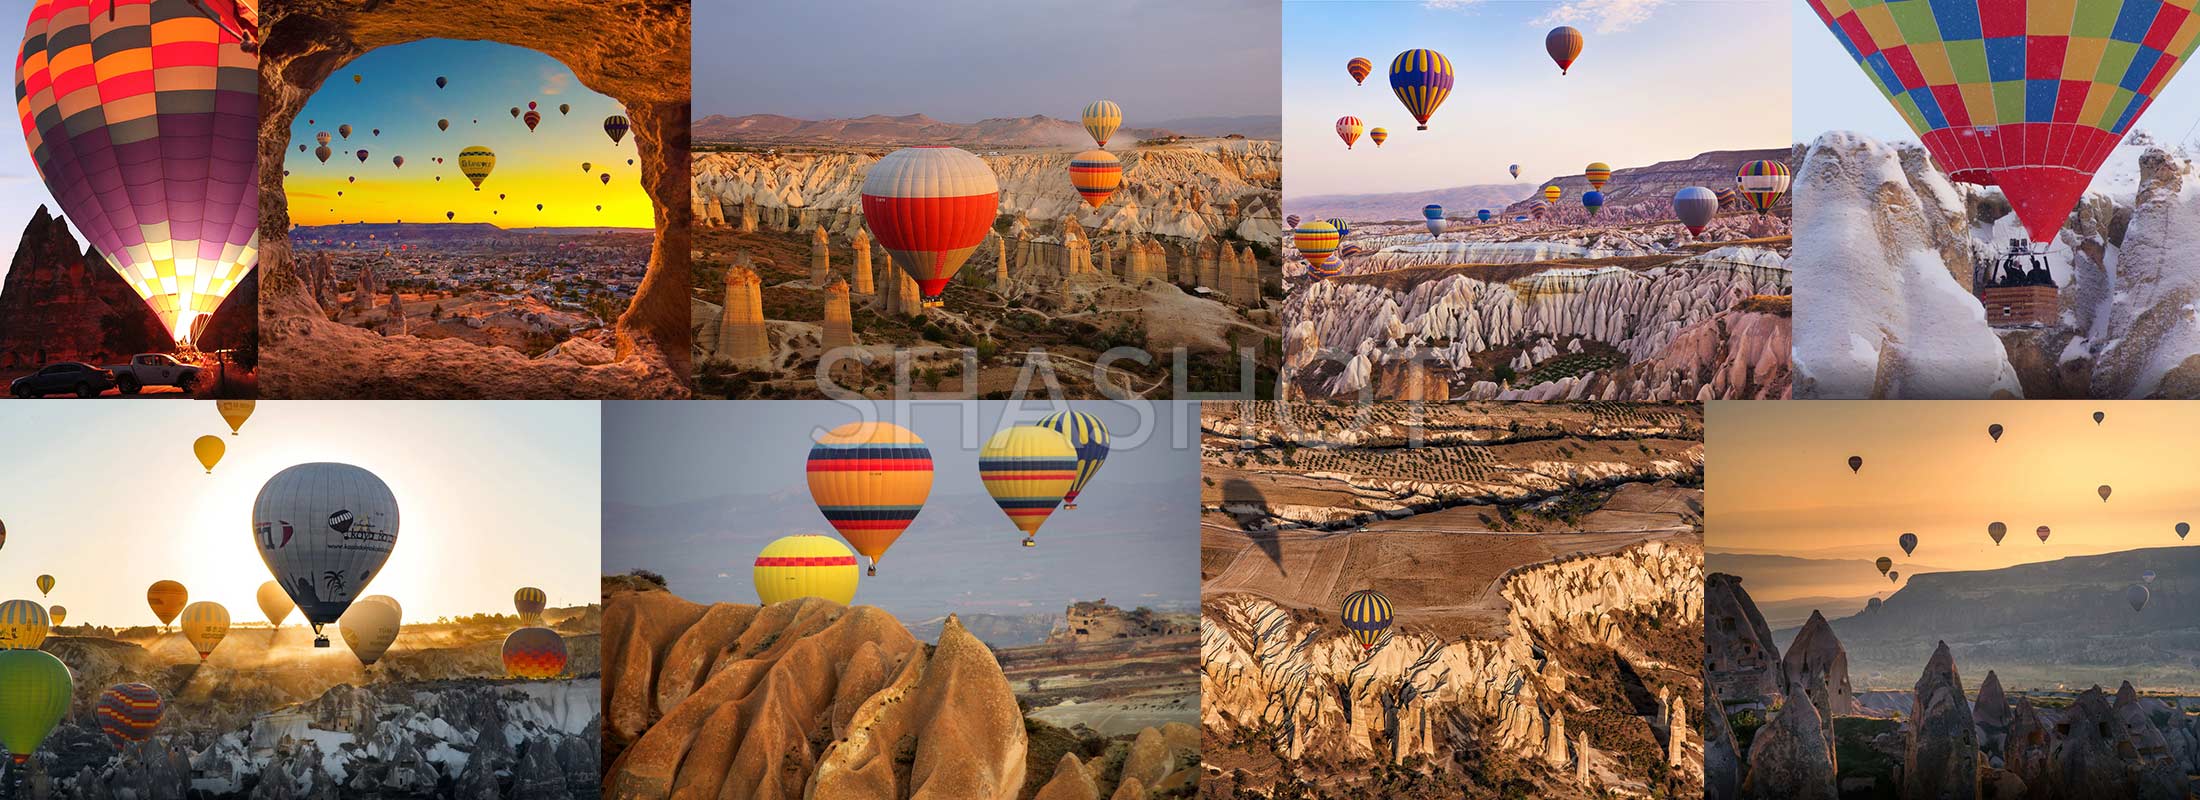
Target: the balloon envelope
(128, 712)
(58, 614)
(1763, 183)
(1316, 240)
(534, 653)
(1101, 118)
(1090, 436)
(205, 625)
(1597, 174)
(274, 603)
(805, 565)
(369, 629)
(39, 688)
(870, 479)
(1095, 174)
(234, 412)
(1994, 431)
(476, 162)
(1695, 206)
(1856, 463)
(930, 207)
(1027, 469)
(2137, 596)
(324, 529)
(1378, 136)
(2183, 528)
(1909, 544)
(1348, 129)
(1884, 563)
(167, 599)
(1367, 615)
(615, 126)
(2103, 491)
(1996, 531)
(23, 625)
(1432, 216)
(1421, 79)
(2042, 532)
(529, 602)
(1359, 69)
(1564, 45)
(209, 450)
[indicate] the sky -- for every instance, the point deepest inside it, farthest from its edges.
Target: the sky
(1780, 480)
(1842, 97)
(1656, 81)
(962, 61)
(493, 496)
(695, 490)
(397, 93)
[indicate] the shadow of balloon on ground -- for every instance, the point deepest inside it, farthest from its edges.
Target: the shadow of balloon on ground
(1244, 502)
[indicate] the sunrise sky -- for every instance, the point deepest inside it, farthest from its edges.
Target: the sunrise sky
(1779, 481)
(107, 498)
(397, 93)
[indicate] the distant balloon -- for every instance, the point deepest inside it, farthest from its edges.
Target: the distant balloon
(2137, 597)
(344, 131)
(1514, 169)
(1101, 118)
(1359, 69)
(1344, 229)
(1763, 183)
(1994, 431)
(234, 412)
(1028, 469)
(1592, 200)
(534, 653)
(538, 206)
(205, 625)
(443, 124)
(321, 137)
(1316, 241)
(355, 78)
(1564, 45)
(515, 112)
(2103, 492)
(805, 565)
(1893, 576)
(1291, 220)
(530, 105)
(564, 108)
(605, 178)
(1856, 463)
(1884, 563)
(1909, 543)
(370, 628)
(450, 215)
(1432, 215)
(1597, 174)
(323, 153)
(529, 602)
(167, 599)
(2042, 533)
(399, 161)
(275, 604)
(476, 162)
(441, 81)
(2098, 416)
(1482, 215)
(362, 156)
(2183, 528)
(324, 530)
(1367, 615)
(377, 131)
(1090, 436)
(23, 625)
(615, 126)
(58, 614)
(1348, 129)
(1996, 531)
(1421, 79)
(1551, 193)
(45, 584)
(209, 450)
(532, 118)
(39, 689)
(1695, 206)
(128, 712)
(2144, 577)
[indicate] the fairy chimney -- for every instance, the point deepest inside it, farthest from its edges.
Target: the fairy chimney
(741, 336)
(862, 246)
(839, 325)
(821, 257)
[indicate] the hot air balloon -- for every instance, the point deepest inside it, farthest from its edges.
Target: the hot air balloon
(2042, 532)
(2183, 528)
(58, 614)
(870, 479)
(1762, 183)
(1482, 215)
(2098, 416)
(475, 162)
(209, 449)
(274, 603)
(1728, 198)
(362, 156)
(167, 599)
(205, 624)
(321, 137)
(1564, 45)
(344, 131)
(1421, 79)
(443, 124)
(370, 628)
(3, 534)
(45, 584)
(441, 81)
(1366, 614)
(2039, 106)
(1893, 576)
(585, 166)
(564, 109)
(529, 602)
(930, 207)
(23, 625)
(1884, 563)
(2144, 577)
(532, 119)
(1909, 543)
(1514, 169)
(1291, 220)
(355, 78)
(1856, 463)
(534, 653)
(1433, 216)
(538, 206)
(1325, 270)
(1592, 200)
(2137, 597)
(805, 565)
(1028, 469)
(38, 690)
(1348, 129)
(323, 153)
(234, 412)
(1695, 206)
(2103, 492)
(377, 131)
(450, 216)
(1996, 531)
(1101, 118)
(1994, 431)
(104, 96)
(1316, 240)
(1378, 136)
(515, 112)
(1090, 436)
(128, 712)
(1359, 69)
(1551, 193)
(324, 530)
(399, 161)
(1095, 173)
(1597, 174)
(615, 126)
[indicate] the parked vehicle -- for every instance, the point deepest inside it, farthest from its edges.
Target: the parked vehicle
(154, 369)
(83, 379)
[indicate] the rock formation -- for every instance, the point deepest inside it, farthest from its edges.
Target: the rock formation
(1790, 758)
(1738, 647)
(1991, 714)
(636, 53)
(863, 284)
(1816, 670)
(1940, 759)
(839, 328)
(62, 304)
(2029, 752)
(821, 257)
(1722, 764)
(742, 338)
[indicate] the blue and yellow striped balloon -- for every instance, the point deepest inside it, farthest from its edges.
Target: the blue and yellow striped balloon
(1421, 79)
(1086, 433)
(1101, 118)
(1028, 469)
(23, 625)
(1367, 616)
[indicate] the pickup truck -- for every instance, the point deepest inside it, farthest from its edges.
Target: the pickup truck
(154, 369)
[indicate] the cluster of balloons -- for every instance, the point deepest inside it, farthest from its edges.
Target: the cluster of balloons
(870, 479)
(1097, 173)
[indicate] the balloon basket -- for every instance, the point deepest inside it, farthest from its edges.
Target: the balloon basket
(1030, 543)
(320, 641)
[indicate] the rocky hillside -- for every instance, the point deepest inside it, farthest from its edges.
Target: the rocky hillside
(64, 304)
(1460, 201)
(1656, 183)
(880, 130)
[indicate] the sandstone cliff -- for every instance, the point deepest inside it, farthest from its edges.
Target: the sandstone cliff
(64, 304)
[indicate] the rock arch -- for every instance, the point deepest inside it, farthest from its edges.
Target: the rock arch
(635, 52)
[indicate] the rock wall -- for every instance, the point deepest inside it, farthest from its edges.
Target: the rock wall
(64, 304)
(636, 53)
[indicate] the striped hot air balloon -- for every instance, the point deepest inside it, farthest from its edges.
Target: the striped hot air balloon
(45, 585)
(1028, 469)
(2027, 96)
(1316, 241)
(1349, 251)
(529, 602)
(1551, 193)
(142, 116)
(1367, 616)
(1421, 79)
(1289, 221)
(1359, 69)
(1326, 270)
(58, 614)
(1096, 174)
(870, 479)
(1728, 198)
(1564, 45)
(805, 565)
(1762, 183)
(930, 207)
(615, 126)
(1432, 215)
(205, 625)
(1090, 436)
(128, 712)
(23, 625)
(1344, 228)
(476, 162)
(35, 688)
(534, 654)
(1348, 129)
(1695, 206)
(1101, 118)
(1597, 174)
(1378, 136)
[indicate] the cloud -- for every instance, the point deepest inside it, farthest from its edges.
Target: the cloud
(555, 77)
(1603, 16)
(1444, 5)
